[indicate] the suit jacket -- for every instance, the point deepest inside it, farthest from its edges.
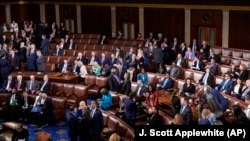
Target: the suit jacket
(98, 122)
(103, 62)
(155, 120)
(132, 63)
(58, 52)
(5, 83)
(14, 62)
(46, 88)
(120, 73)
(69, 67)
(48, 107)
(227, 86)
(130, 109)
(215, 57)
(142, 92)
(112, 62)
(67, 46)
(197, 47)
(45, 45)
(143, 78)
(4, 66)
(17, 97)
(157, 55)
(126, 87)
(73, 123)
(101, 41)
(35, 86)
(175, 72)
(244, 75)
(169, 84)
(201, 65)
(22, 85)
(40, 64)
(205, 48)
(77, 69)
(213, 68)
(182, 64)
(96, 59)
(210, 79)
(189, 55)
(222, 101)
(30, 102)
(187, 115)
(113, 84)
(22, 54)
(188, 89)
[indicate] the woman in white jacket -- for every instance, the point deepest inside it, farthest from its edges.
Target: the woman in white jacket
(83, 71)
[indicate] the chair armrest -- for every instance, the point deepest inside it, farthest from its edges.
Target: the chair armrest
(68, 94)
(91, 86)
(113, 106)
(58, 93)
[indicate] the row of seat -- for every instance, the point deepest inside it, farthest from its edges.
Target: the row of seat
(232, 52)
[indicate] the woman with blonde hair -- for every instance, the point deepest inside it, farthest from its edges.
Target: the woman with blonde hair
(178, 120)
(83, 71)
(96, 69)
(243, 74)
(207, 117)
(115, 137)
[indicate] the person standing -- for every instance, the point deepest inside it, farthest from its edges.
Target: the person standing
(73, 123)
(86, 125)
(97, 118)
(40, 62)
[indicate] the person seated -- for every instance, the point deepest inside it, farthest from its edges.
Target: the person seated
(232, 71)
(155, 118)
(175, 71)
(197, 64)
(188, 89)
(71, 45)
(12, 106)
(226, 86)
(243, 73)
(95, 69)
(20, 84)
(106, 99)
(32, 85)
(166, 82)
(8, 84)
(240, 116)
(213, 66)
(65, 67)
(45, 85)
(152, 96)
(93, 58)
(141, 90)
(213, 56)
(207, 78)
(26, 104)
(103, 40)
(58, 51)
(20, 133)
(121, 111)
(143, 76)
(237, 89)
(189, 54)
(247, 110)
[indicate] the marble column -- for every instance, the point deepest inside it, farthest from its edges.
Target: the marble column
(57, 14)
(225, 28)
(7, 14)
(42, 13)
(113, 19)
(141, 21)
(78, 19)
(187, 26)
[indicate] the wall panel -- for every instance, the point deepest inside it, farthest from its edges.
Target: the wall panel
(50, 13)
(239, 29)
(96, 19)
(68, 12)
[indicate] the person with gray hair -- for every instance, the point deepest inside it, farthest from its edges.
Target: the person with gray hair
(106, 99)
(212, 102)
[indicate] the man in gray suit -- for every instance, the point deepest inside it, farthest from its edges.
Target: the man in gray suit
(45, 45)
(175, 71)
(158, 57)
(32, 85)
(40, 62)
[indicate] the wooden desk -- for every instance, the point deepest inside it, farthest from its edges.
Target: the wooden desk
(53, 76)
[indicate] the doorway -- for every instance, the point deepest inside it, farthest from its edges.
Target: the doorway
(208, 34)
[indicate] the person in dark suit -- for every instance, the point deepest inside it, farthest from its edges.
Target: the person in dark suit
(132, 63)
(70, 45)
(213, 56)
(73, 123)
(14, 61)
(65, 67)
(86, 126)
(243, 72)
(103, 40)
(155, 119)
(75, 67)
(140, 90)
(46, 111)
(175, 100)
(194, 46)
(188, 89)
(26, 104)
(213, 67)
(8, 84)
(186, 111)
(32, 85)
(126, 85)
(237, 89)
(22, 52)
(20, 133)
(58, 51)
(31, 58)
(197, 64)
(93, 58)
(167, 82)
(226, 86)
(112, 60)
(20, 84)
(12, 106)
(118, 52)
(205, 47)
(175, 71)
(120, 70)
(202, 56)
(40, 62)
(130, 110)
(158, 57)
(207, 78)
(114, 81)
(80, 57)
(45, 45)
(4, 68)
(97, 119)
(103, 60)
(45, 86)
(180, 61)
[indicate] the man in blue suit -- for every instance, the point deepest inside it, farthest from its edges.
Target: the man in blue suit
(58, 51)
(226, 86)
(97, 119)
(45, 45)
(197, 64)
(167, 82)
(46, 85)
(73, 123)
(103, 60)
(220, 99)
(8, 84)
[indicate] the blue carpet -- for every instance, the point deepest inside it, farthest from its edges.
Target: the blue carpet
(57, 130)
